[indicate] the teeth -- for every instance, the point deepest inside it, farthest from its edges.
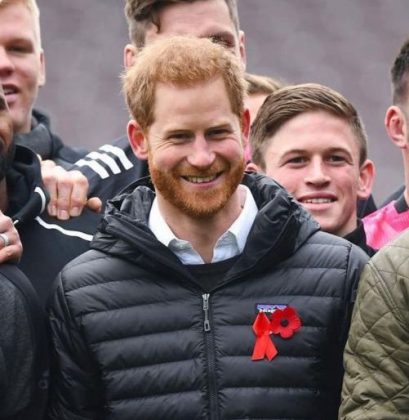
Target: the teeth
(8, 91)
(317, 200)
(200, 180)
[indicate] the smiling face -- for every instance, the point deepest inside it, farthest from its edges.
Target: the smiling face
(315, 156)
(202, 19)
(194, 148)
(21, 63)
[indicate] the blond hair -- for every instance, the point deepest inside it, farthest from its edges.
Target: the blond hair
(288, 102)
(35, 12)
(261, 85)
(181, 61)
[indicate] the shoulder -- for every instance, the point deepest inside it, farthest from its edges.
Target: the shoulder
(15, 287)
(391, 264)
(91, 268)
(323, 243)
(394, 257)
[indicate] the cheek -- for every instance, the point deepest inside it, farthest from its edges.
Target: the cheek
(291, 180)
(347, 181)
(29, 70)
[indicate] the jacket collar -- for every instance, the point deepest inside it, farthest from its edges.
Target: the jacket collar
(27, 196)
(280, 228)
(40, 139)
(358, 237)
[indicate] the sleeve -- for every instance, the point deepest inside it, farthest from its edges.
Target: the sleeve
(16, 353)
(75, 389)
(376, 357)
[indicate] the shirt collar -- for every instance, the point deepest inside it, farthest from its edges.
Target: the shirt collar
(230, 244)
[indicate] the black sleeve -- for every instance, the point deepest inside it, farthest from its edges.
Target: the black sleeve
(23, 348)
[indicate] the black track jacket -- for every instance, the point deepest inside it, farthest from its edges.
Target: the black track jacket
(48, 243)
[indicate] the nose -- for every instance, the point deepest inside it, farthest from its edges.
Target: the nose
(317, 174)
(200, 154)
(6, 64)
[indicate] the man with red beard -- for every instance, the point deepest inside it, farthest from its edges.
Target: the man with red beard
(208, 294)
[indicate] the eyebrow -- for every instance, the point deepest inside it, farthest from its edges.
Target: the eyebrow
(219, 34)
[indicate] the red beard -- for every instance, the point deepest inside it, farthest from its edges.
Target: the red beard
(201, 204)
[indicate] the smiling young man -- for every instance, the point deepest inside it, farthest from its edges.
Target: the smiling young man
(311, 140)
(22, 74)
(170, 315)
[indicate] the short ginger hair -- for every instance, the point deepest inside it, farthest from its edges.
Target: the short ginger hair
(181, 61)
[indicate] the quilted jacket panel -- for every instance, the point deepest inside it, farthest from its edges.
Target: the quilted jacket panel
(376, 382)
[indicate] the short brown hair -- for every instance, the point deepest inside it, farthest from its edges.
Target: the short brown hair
(261, 85)
(35, 12)
(140, 13)
(399, 74)
(182, 61)
(294, 100)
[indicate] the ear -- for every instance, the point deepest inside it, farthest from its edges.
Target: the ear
(245, 132)
(252, 167)
(366, 179)
(41, 81)
(130, 52)
(137, 140)
(245, 125)
(242, 48)
(396, 126)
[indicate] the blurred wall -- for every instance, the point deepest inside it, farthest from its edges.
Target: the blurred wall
(348, 45)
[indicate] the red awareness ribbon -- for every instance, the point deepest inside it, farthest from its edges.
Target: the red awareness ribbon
(264, 346)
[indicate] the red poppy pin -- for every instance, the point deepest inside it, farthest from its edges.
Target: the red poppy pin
(284, 322)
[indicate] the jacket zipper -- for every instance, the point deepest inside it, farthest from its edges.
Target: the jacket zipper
(206, 323)
(210, 357)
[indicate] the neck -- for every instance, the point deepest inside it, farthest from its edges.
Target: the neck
(4, 199)
(405, 155)
(203, 233)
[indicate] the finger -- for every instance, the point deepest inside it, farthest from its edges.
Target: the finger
(79, 192)
(95, 204)
(11, 253)
(6, 224)
(50, 177)
(64, 191)
(47, 163)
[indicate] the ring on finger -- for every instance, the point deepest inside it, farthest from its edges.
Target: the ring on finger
(6, 240)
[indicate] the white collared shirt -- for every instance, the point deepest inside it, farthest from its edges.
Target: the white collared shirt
(230, 244)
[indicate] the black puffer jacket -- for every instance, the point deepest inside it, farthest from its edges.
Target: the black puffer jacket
(128, 321)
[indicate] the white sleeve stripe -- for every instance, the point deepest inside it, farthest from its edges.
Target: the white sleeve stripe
(106, 159)
(66, 232)
(127, 164)
(95, 166)
(40, 192)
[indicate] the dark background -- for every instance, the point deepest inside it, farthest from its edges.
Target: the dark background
(348, 45)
